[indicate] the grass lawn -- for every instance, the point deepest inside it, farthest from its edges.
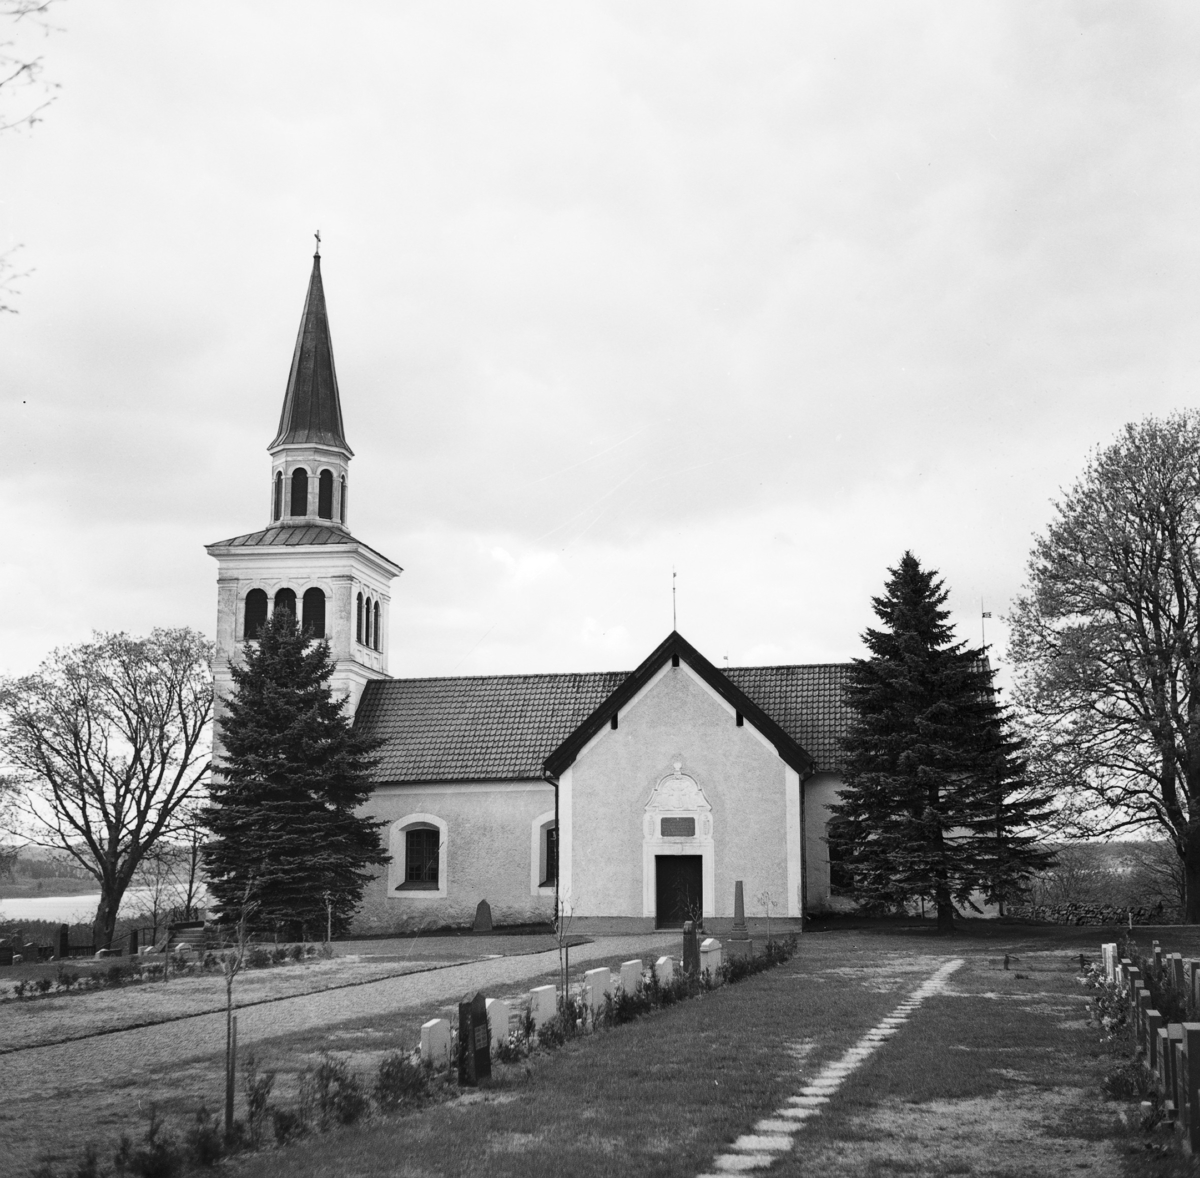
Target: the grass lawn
(999, 1075)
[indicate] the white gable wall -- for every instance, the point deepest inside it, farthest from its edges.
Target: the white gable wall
(752, 830)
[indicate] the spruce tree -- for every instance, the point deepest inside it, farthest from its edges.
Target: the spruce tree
(937, 804)
(283, 804)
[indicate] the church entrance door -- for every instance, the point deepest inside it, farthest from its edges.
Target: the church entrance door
(679, 889)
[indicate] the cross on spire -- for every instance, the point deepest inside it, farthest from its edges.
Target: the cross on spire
(317, 235)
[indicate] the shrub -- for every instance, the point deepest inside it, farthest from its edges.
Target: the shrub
(157, 1157)
(1128, 1081)
(289, 1124)
(258, 957)
(42, 985)
(628, 1005)
(203, 1140)
(279, 954)
(258, 1092)
(114, 975)
(402, 1079)
(21, 989)
(338, 1094)
(296, 952)
(552, 1033)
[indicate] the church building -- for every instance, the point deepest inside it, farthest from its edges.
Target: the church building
(633, 799)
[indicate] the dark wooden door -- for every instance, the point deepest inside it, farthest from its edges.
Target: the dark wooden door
(679, 889)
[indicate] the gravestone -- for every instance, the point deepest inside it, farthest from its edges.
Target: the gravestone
(435, 1043)
(497, 1014)
(543, 1004)
(7, 953)
(664, 969)
(738, 943)
(1141, 1000)
(710, 955)
(1177, 971)
(596, 982)
(1154, 1022)
(1168, 1065)
(474, 1044)
(133, 942)
(64, 942)
(631, 975)
(483, 918)
(1189, 1080)
(691, 948)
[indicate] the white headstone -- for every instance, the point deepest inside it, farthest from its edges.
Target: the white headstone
(631, 975)
(664, 968)
(710, 955)
(543, 1004)
(497, 1012)
(596, 983)
(435, 1042)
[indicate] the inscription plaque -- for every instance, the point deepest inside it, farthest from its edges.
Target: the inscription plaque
(675, 828)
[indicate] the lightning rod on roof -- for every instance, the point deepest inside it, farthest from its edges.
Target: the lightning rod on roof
(674, 621)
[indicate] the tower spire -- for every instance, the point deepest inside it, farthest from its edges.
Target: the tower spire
(312, 409)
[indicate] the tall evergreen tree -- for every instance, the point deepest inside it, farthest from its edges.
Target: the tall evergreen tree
(294, 771)
(937, 803)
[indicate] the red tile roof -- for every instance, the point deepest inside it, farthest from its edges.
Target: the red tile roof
(503, 727)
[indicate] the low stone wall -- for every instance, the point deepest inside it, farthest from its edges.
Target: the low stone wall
(1088, 914)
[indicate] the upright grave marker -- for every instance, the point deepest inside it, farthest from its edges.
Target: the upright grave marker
(738, 943)
(1189, 1083)
(474, 1046)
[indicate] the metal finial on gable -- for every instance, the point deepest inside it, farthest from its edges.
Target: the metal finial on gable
(317, 235)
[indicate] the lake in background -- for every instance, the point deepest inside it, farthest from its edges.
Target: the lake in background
(67, 909)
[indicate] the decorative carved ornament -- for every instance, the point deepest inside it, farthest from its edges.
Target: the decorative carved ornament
(677, 793)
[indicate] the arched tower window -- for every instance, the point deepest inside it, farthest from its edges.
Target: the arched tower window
(299, 492)
(342, 501)
(286, 599)
(314, 613)
(256, 613)
(277, 509)
(325, 494)
(358, 611)
(367, 624)
(375, 627)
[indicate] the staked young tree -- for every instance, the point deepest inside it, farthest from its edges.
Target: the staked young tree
(109, 740)
(1106, 643)
(937, 804)
(293, 772)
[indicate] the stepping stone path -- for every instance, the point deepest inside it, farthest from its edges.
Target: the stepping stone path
(773, 1136)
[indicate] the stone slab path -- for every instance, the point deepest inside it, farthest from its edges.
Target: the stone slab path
(773, 1136)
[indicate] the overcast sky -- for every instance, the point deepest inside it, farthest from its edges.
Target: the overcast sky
(767, 293)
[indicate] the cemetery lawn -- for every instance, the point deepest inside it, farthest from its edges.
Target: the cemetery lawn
(999, 1075)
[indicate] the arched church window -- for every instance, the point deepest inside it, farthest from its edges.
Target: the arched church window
(325, 494)
(285, 599)
(358, 612)
(314, 613)
(256, 613)
(277, 510)
(375, 628)
(367, 624)
(342, 501)
(299, 504)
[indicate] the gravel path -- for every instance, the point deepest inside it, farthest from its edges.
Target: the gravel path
(113, 1060)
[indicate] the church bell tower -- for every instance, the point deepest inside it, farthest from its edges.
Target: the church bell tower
(306, 560)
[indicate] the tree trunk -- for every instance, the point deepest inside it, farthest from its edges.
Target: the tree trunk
(105, 925)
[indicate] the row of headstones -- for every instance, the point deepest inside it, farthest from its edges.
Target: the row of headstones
(484, 1022)
(1171, 1051)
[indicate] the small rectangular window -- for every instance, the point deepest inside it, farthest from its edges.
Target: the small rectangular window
(674, 660)
(613, 722)
(740, 719)
(421, 858)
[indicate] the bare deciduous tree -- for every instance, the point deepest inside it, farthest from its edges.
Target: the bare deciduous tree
(110, 741)
(24, 96)
(1106, 643)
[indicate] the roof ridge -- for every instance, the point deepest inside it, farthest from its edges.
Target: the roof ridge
(501, 675)
(786, 666)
